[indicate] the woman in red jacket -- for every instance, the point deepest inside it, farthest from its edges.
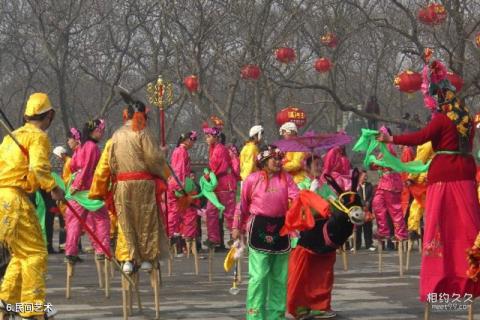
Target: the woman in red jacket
(452, 210)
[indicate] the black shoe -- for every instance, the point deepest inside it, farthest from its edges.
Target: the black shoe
(72, 259)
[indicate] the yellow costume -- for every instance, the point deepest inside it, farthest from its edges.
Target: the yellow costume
(24, 280)
(66, 172)
(135, 155)
(100, 189)
(248, 159)
(424, 154)
(293, 164)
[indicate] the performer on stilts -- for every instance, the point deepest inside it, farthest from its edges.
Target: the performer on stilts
(417, 184)
(83, 164)
(248, 155)
(220, 164)
(265, 199)
(294, 161)
(453, 212)
(23, 170)
(387, 200)
(137, 165)
(182, 218)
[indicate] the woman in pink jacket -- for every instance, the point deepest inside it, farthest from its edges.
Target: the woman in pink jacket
(83, 164)
(220, 164)
(181, 221)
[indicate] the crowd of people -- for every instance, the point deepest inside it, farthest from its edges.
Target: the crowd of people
(120, 194)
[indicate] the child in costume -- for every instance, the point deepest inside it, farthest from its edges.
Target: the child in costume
(265, 198)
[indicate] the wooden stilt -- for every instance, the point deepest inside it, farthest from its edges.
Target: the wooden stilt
(470, 311)
(380, 252)
(129, 297)
(420, 246)
(427, 311)
(70, 267)
(239, 273)
(125, 300)
(112, 270)
(344, 257)
(3, 316)
(193, 246)
(98, 263)
(160, 275)
(156, 291)
(170, 261)
(137, 292)
(354, 240)
(409, 252)
(188, 244)
(211, 252)
(107, 278)
(400, 256)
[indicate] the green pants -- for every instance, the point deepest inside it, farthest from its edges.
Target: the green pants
(267, 285)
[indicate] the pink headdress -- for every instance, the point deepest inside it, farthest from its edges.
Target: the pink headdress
(76, 135)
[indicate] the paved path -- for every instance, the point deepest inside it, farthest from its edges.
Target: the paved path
(360, 293)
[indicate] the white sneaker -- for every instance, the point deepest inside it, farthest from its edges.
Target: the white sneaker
(127, 267)
(372, 249)
(50, 310)
(146, 266)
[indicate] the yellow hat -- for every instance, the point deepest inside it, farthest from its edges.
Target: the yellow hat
(229, 259)
(38, 103)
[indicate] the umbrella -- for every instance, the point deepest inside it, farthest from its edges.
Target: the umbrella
(313, 143)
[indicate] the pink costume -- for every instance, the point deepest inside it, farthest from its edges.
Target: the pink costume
(84, 161)
(388, 199)
(265, 198)
(221, 164)
(234, 178)
(180, 221)
(338, 166)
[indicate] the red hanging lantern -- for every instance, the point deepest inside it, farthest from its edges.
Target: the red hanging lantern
(456, 80)
(408, 81)
(250, 72)
(433, 14)
(329, 39)
(191, 83)
(323, 65)
(293, 114)
(477, 40)
(285, 55)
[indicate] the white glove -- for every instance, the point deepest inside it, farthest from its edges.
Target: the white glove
(314, 185)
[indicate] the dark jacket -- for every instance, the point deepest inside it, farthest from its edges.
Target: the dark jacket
(366, 196)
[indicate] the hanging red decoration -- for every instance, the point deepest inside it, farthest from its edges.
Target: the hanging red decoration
(250, 72)
(285, 55)
(191, 83)
(323, 65)
(329, 39)
(477, 40)
(433, 14)
(456, 80)
(293, 114)
(408, 81)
